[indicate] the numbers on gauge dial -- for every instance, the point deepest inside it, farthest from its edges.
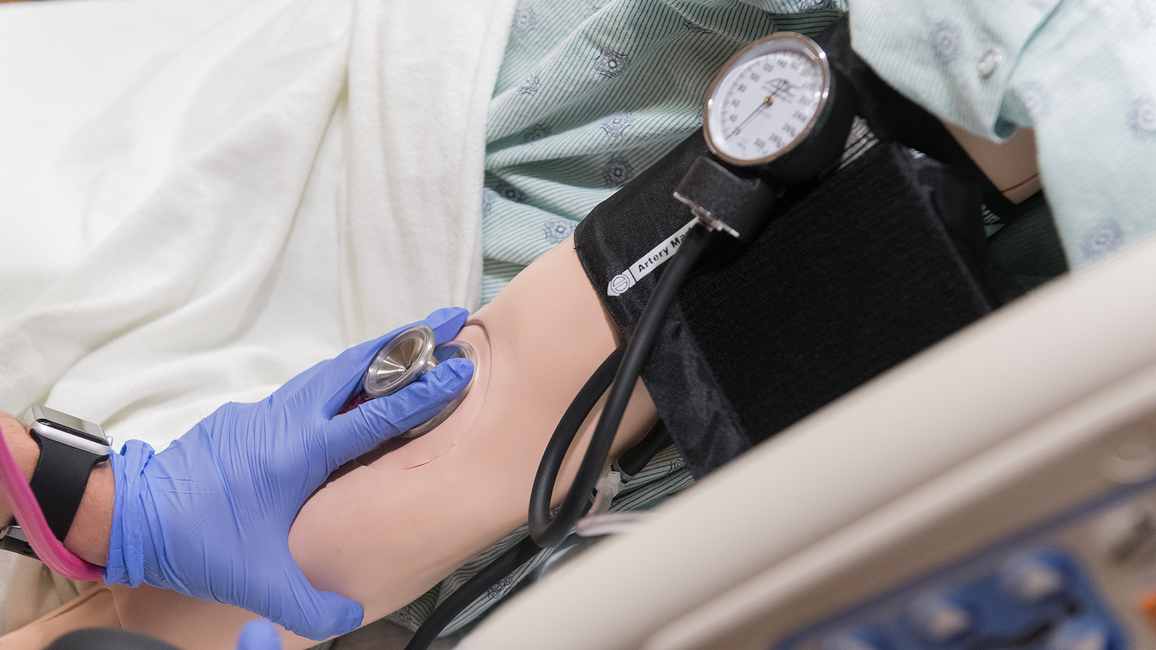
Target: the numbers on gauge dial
(766, 103)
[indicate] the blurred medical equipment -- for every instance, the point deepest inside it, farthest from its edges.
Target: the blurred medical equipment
(997, 491)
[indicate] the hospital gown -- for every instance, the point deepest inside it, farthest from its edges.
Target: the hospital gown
(1080, 72)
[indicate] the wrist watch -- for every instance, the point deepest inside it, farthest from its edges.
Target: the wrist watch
(69, 448)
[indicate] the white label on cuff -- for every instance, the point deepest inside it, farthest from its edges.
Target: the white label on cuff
(658, 255)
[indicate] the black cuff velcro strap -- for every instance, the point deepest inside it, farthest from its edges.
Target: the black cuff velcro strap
(59, 481)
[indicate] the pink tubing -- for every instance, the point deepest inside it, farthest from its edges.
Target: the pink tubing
(35, 527)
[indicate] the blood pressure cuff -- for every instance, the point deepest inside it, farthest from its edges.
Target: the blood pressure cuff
(858, 273)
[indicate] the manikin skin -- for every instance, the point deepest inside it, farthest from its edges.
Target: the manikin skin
(390, 525)
(1009, 165)
(387, 527)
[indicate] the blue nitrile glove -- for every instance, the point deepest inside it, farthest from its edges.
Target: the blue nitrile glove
(259, 635)
(209, 516)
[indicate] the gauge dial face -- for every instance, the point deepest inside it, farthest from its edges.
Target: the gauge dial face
(767, 100)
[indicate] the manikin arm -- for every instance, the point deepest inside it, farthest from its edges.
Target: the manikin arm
(1010, 166)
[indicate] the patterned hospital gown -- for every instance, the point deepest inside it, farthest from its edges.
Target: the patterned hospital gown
(1082, 73)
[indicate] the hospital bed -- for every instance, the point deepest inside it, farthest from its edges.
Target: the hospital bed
(993, 492)
(997, 491)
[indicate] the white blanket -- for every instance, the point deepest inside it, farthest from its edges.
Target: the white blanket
(201, 198)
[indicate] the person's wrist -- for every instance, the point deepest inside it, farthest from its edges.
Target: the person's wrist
(88, 536)
(24, 451)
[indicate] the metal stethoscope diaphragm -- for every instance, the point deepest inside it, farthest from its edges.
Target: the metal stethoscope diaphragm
(403, 360)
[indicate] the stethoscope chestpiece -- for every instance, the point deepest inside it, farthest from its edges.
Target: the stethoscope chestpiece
(404, 359)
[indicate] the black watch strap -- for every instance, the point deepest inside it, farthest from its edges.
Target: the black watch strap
(59, 481)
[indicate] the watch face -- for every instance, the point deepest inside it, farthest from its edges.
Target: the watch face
(65, 422)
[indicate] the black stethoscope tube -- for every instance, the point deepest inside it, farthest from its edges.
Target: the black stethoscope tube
(634, 460)
(543, 530)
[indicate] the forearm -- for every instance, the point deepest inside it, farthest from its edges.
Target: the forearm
(88, 536)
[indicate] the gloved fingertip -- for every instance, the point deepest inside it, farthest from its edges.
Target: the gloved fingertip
(353, 621)
(451, 374)
(446, 322)
(371, 423)
(446, 314)
(259, 635)
(332, 615)
(350, 614)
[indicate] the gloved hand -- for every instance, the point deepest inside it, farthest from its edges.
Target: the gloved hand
(259, 635)
(209, 516)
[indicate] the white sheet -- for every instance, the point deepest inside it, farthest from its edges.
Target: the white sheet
(201, 198)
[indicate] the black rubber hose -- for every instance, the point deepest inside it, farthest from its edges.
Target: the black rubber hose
(458, 601)
(636, 458)
(543, 487)
(547, 532)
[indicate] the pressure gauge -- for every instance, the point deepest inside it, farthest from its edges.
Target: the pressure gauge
(774, 102)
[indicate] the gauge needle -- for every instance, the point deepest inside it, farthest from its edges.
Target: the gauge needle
(767, 101)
